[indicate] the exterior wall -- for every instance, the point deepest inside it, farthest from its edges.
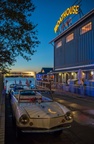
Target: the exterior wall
(75, 55)
(79, 51)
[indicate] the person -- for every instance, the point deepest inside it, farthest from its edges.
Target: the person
(20, 82)
(27, 83)
(6, 81)
(30, 82)
(31, 85)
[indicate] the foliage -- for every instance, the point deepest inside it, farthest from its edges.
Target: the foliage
(18, 34)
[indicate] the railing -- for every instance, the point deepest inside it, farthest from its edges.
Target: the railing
(78, 89)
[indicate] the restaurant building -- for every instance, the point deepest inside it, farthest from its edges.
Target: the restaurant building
(74, 50)
(45, 74)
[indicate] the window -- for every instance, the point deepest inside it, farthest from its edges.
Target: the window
(70, 37)
(58, 44)
(86, 28)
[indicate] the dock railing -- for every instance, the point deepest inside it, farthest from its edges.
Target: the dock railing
(62, 87)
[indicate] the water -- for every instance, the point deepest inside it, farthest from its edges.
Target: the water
(17, 80)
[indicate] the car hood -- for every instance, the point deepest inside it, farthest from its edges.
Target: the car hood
(44, 110)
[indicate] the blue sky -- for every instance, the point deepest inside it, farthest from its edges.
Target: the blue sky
(46, 14)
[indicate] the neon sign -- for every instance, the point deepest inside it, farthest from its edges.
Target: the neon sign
(72, 10)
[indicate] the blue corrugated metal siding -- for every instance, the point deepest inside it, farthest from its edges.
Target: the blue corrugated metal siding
(79, 51)
(85, 47)
(92, 40)
(63, 52)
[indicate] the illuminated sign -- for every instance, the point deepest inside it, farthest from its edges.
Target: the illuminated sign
(72, 10)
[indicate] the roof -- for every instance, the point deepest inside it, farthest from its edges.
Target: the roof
(45, 70)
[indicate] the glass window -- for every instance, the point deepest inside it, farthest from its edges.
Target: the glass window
(86, 28)
(58, 44)
(70, 37)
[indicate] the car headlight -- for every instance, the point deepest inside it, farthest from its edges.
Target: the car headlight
(69, 116)
(24, 119)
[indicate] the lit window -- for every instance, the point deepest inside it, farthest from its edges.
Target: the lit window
(70, 37)
(59, 44)
(86, 28)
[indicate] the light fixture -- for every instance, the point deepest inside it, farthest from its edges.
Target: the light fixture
(92, 72)
(59, 74)
(72, 73)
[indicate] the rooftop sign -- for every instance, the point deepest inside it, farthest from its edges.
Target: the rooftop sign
(72, 10)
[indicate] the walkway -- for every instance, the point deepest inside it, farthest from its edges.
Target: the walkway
(2, 123)
(74, 95)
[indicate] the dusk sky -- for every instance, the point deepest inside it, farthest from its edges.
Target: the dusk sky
(46, 14)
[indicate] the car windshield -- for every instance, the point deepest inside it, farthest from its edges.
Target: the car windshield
(12, 85)
(27, 93)
(46, 94)
(35, 96)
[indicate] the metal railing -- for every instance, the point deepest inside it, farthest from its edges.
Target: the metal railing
(73, 88)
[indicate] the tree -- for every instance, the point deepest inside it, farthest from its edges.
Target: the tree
(6, 60)
(18, 34)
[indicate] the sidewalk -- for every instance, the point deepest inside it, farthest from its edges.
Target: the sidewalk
(2, 122)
